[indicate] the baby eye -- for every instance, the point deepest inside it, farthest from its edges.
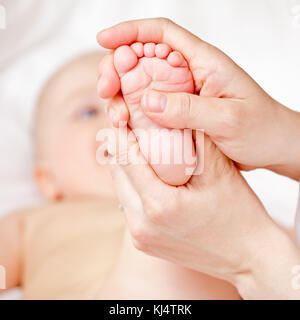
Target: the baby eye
(88, 113)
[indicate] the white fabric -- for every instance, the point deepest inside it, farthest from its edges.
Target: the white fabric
(11, 294)
(260, 35)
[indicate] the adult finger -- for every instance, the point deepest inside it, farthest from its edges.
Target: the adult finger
(128, 159)
(117, 111)
(109, 82)
(184, 110)
(158, 30)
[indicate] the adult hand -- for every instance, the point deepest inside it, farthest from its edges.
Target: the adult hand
(240, 117)
(214, 224)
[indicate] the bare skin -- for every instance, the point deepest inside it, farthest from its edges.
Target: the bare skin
(144, 66)
(130, 279)
(245, 123)
(249, 127)
(67, 248)
(141, 67)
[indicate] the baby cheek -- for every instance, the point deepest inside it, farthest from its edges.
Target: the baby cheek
(74, 157)
(82, 150)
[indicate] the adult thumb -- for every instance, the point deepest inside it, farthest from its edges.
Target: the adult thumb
(189, 111)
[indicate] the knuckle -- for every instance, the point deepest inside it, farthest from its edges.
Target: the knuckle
(161, 212)
(184, 108)
(165, 21)
(166, 25)
(138, 232)
(141, 237)
(140, 246)
(188, 110)
(154, 211)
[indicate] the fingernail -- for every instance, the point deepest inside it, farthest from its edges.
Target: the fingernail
(154, 101)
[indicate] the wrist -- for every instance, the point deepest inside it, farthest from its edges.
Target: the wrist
(273, 260)
(287, 139)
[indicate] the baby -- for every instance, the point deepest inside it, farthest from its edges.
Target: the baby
(76, 246)
(65, 249)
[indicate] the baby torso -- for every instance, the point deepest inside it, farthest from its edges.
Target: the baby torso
(70, 248)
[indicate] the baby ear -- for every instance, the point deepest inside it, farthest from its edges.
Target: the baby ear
(45, 183)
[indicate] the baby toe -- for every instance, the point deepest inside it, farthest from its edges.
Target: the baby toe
(162, 50)
(138, 48)
(149, 50)
(124, 59)
(176, 59)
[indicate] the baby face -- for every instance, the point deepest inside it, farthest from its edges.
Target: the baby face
(68, 118)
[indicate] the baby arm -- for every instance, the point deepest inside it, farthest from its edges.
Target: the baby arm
(11, 230)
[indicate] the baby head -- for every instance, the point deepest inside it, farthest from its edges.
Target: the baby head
(68, 116)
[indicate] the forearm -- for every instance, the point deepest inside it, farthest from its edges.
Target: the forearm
(287, 140)
(261, 257)
(273, 271)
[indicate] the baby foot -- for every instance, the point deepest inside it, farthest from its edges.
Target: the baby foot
(156, 66)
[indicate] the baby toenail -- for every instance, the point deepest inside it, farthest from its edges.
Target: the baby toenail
(154, 101)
